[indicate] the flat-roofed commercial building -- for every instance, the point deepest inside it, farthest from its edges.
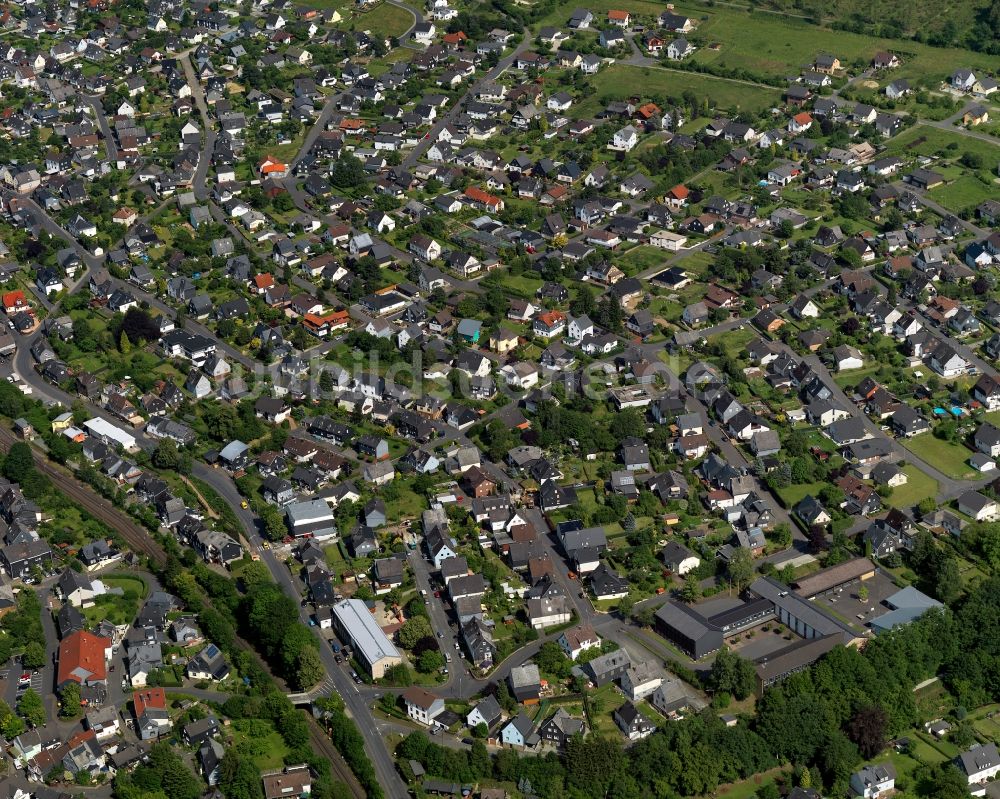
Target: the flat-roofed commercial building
(356, 626)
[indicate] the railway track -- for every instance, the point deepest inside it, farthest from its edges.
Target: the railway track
(139, 540)
(338, 766)
(98, 507)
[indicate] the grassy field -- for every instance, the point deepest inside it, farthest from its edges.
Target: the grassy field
(128, 583)
(793, 494)
(917, 488)
(621, 81)
(745, 789)
(258, 740)
(734, 341)
(965, 192)
(769, 44)
(118, 609)
(925, 140)
(522, 285)
(603, 703)
(386, 20)
(951, 459)
(639, 259)
(910, 18)
(851, 377)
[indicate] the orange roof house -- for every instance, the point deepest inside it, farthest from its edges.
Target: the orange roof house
(263, 281)
(14, 301)
(321, 324)
(152, 698)
(679, 193)
(352, 125)
(483, 199)
(648, 110)
(618, 17)
(272, 166)
(801, 121)
(83, 659)
(125, 216)
(549, 323)
(455, 39)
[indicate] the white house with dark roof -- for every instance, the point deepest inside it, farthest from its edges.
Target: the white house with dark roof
(980, 763)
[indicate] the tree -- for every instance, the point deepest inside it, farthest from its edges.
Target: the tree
(430, 660)
(504, 698)
(309, 669)
(691, 590)
(254, 574)
(948, 584)
(839, 756)
(239, 777)
(732, 674)
(741, 569)
(18, 461)
(297, 638)
(166, 456)
(414, 630)
(400, 675)
(69, 701)
(863, 597)
(34, 655)
(11, 725)
(867, 729)
(31, 709)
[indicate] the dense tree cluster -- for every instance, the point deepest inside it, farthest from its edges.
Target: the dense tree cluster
(272, 622)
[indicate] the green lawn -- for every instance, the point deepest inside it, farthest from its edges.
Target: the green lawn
(966, 191)
(734, 341)
(793, 494)
(128, 583)
(603, 703)
(965, 186)
(523, 286)
(620, 81)
(258, 740)
(917, 488)
(746, 789)
(386, 20)
(639, 259)
(778, 46)
(851, 377)
(117, 609)
(951, 459)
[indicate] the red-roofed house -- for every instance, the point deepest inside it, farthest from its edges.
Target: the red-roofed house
(482, 199)
(322, 325)
(14, 301)
(549, 324)
(800, 123)
(352, 125)
(125, 216)
(272, 167)
(262, 282)
(83, 659)
(647, 111)
(620, 19)
(150, 708)
(677, 197)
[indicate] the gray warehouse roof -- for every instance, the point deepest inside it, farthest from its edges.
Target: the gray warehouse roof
(354, 617)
